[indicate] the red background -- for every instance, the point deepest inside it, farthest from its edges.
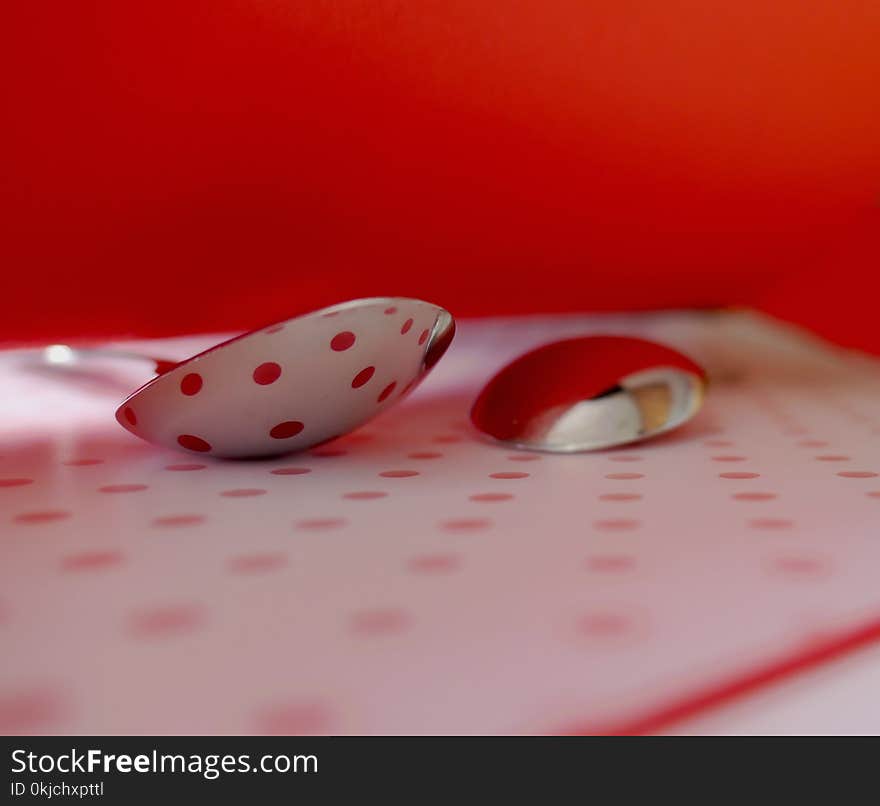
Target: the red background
(184, 166)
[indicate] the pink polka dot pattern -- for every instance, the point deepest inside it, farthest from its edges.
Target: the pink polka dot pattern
(611, 563)
(29, 711)
(465, 524)
(524, 457)
(320, 524)
(92, 561)
(122, 488)
(425, 455)
(800, 567)
(605, 625)
(294, 719)
(15, 482)
(624, 476)
(42, 516)
(728, 458)
(398, 474)
(771, 524)
(434, 564)
(257, 563)
(365, 495)
(509, 475)
(621, 497)
(625, 458)
(380, 622)
(491, 497)
(754, 496)
(833, 458)
(243, 492)
(290, 471)
(185, 467)
(858, 474)
(176, 521)
(743, 475)
(165, 622)
(616, 524)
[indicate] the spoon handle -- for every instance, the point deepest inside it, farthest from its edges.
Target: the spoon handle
(65, 355)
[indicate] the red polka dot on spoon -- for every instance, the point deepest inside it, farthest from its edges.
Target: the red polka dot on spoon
(342, 341)
(286, 430)
(191, 384)
(386, 392)
(130, 416)
(362, 377)
(267, 373)
(405, 327)
(423, 337)
(193, 443)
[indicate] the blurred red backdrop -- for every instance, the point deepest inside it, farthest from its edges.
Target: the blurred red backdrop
(182, 166)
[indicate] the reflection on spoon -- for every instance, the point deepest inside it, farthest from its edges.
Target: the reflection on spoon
(286, 387)
(589, 393)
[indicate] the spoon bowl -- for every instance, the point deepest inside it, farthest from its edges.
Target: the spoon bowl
(292, 385)
(589, 393)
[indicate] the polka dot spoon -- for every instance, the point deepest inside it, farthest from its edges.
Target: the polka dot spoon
(292, 385)
(589, 393)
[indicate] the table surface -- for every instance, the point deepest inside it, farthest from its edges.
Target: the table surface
(412, 578)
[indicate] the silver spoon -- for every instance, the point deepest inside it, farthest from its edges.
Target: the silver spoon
(589, 393)
(289, 386)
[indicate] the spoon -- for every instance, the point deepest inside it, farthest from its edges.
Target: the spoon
(589, 393)
(289, 386)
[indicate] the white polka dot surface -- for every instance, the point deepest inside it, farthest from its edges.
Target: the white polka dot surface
(410, 577)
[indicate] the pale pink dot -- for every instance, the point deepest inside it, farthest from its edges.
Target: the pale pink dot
(425, 455)
(321, 524)
(624, 476)
(294, 719)
(286, 430)
(386, 392)
(387, 621)
(175, 521)
(275, 329)
(620, 497)
(185, 467)
(328, 453)
(290, 471)
(91, 561)
(873, 494)
(165, 622)
(193, 443)
(28, 711)
(625, 458)
(130, 416)
(833, 458)
(362, 377)
(398, 474)
(15, 482)
(390, 311)
(800, 567)
(342, 341)
(243, 492)
(755, 496)
(84, 462)
(605, 625)
(611, 563)
(489, 497)
(404, 328)
(257, 563)
(466, 524)
(739, 475)
(42, 516)
(434, 564)
(616, 524)
(857, 474)
(191, 384)
(267, 373)
(524, 457)
(771, 523)
(509, 475)
(447, 439)
(423, 337)
(813, 443)
(364, 495)
(718, 443)
(122, 488)
(728, 458)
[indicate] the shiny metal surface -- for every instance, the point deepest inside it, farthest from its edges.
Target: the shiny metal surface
(589, 393)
